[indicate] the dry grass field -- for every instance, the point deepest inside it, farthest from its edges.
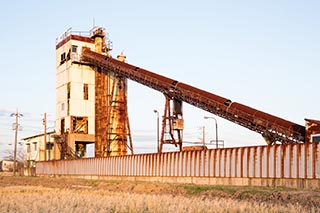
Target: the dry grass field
(43, 194)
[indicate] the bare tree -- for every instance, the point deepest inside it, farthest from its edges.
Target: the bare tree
(9, 155)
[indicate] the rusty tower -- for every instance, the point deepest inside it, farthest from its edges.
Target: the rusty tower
(112, 129)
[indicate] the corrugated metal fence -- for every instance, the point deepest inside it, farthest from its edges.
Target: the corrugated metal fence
(276, 161)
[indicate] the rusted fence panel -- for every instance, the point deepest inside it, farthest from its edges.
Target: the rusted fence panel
(277, 161)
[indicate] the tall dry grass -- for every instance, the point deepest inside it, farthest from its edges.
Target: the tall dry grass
(42, 199)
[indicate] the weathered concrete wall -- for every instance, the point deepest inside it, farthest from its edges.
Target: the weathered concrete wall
(295, 165)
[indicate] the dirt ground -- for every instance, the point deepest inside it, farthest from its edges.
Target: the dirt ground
(283, 196)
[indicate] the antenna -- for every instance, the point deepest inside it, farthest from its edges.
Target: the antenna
(93, 22)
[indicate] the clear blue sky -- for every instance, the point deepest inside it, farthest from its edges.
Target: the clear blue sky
(264, 54)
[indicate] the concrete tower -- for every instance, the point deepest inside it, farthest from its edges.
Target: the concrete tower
(87, 107)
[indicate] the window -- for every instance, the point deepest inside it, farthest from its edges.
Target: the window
(68, 90)
(85, 92)
(62, 58)
(74, 54)
(74, 48)
(79, 125)
(62, 126)
(62, 107)
(315, 138)
(28, 148)
(35, 146)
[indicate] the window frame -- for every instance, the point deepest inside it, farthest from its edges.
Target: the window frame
(317, 136)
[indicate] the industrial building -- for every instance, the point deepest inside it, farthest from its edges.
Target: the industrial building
(91, 103)
(39, 148)
(75, 95)
(91, 108)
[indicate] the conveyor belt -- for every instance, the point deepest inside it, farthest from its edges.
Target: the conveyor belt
(272, 128)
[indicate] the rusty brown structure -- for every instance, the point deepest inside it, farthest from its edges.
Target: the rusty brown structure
(312, 130)
(172, 123)
(112, 129)
(272, 128)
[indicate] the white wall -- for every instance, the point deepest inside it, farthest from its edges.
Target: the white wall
(77, 75)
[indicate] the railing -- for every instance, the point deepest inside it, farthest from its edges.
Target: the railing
(217, 144)
(277, 161)
(69, 32)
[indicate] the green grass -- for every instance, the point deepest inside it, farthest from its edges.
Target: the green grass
(255, 191)
(193, 189)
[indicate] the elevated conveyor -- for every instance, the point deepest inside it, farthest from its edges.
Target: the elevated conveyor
(272, 128)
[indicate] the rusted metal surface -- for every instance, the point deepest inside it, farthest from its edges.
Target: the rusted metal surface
(101, 124)
(278, 161)
(172, 124)
(112, 130)
(312, 128)
(272, 128)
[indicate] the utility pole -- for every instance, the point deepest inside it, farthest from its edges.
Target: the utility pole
(45, 135)
(156, 111)
(16, 128)
(216, 124)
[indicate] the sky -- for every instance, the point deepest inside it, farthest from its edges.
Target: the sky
(264, 54)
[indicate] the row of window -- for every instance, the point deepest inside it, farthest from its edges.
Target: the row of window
(85, 91)
(65, 57)
(85, 96)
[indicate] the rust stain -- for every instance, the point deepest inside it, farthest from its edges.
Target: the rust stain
(254, 161)
(275, 160)
(191, 163)
(236, 164)
(290, 161)
(241, 161)
(283, 149)
(261, 161)
(224, 162)
(214, 162)
(268, 161)
(248, 161)
(312, 127)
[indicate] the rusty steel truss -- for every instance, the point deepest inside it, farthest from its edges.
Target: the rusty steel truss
(172, 124)
(272, 128)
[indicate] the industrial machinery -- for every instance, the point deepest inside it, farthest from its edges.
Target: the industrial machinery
(272, 128)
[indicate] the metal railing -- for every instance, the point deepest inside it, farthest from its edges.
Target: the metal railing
(69, 32)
